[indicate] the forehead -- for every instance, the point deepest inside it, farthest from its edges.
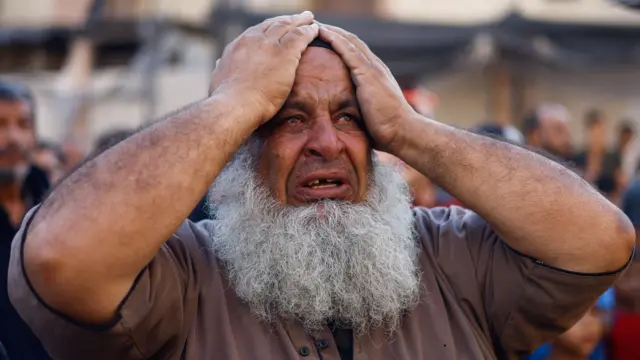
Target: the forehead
(321, 72)
(13, 108)
(553, 121)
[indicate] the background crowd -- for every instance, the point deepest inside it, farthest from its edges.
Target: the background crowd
(78, 76)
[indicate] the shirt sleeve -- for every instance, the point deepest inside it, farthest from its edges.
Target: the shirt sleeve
(150, 322)
(525, 302)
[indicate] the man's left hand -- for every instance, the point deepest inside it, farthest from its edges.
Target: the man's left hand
(381, 101)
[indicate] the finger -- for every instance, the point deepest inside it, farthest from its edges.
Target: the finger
(278, 26)
(361, 45)
(350, 54)
(299, 37)
(355, 40)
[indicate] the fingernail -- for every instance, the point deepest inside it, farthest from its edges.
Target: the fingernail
(307, 13)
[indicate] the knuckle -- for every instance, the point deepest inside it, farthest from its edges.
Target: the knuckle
(297, 32)
(274, 47)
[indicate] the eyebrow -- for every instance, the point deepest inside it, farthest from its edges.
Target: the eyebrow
(298, 104)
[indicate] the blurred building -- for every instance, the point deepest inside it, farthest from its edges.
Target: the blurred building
(97, 65)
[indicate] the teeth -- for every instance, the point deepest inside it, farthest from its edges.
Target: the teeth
(323, 186)
(318, 184)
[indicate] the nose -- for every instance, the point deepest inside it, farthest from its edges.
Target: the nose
(324, 140)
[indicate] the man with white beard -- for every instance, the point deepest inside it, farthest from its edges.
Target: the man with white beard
(314, 251)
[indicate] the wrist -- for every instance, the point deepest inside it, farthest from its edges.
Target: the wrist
(241, 111)
(412, 130)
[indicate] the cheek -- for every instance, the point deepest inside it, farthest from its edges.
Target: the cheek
(359, 151)
(277, 159)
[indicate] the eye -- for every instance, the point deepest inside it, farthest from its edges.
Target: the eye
(346, 118)
(293, 120)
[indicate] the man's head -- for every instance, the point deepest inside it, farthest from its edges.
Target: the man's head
(316, 147)
(548, 129)
(17, 129)
(309, 225)
(596, 127)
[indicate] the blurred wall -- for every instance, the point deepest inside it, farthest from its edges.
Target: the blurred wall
(468, 12)
(464, 93)
(42, 12)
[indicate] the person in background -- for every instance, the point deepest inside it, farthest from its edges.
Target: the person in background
(625, 135)
(626, 329)
(583, 341)
(547, 128)
(508, 132)
(600, 166)
(629, 148)
(425, 192)
(50, 158)
(422, 190)
(22, 185)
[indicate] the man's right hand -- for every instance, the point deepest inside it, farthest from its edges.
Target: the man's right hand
(258, 68)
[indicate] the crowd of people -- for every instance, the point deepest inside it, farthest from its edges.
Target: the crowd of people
(29, 169)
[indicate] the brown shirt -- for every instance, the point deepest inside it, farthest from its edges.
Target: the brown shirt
(479, 300)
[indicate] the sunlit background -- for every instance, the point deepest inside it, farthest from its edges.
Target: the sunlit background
(101, 65)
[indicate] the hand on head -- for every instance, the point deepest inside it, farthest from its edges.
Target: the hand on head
(381, 101)
(259, 68)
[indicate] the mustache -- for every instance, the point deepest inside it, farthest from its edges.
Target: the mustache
(13, 149)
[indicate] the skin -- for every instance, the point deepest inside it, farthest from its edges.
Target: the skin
(318, 131)
(158, 175)
(540, 208)
(17, 139)
(16, 133)
(554, 136)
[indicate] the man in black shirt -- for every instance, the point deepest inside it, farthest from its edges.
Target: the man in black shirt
(21, 187)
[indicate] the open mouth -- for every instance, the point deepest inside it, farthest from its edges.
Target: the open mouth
(323, 184)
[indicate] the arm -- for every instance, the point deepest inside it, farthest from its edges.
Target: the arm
(105, 223)
(538, 207)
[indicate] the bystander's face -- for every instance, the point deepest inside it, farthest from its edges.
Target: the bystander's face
(316, 147)
(555, 137)
(17, 136)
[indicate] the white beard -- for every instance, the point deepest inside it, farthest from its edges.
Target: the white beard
(355, 264)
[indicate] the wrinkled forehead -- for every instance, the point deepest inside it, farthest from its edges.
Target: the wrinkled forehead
(321, 69)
